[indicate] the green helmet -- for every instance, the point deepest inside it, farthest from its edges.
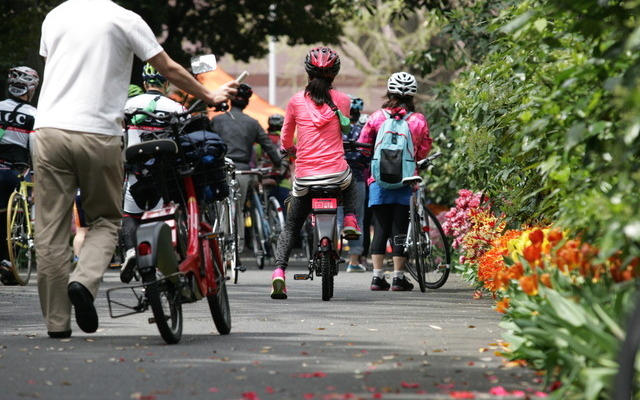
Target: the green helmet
(134, 90)
(151, 75)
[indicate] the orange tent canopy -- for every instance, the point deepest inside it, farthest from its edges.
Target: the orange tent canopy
(258, 107)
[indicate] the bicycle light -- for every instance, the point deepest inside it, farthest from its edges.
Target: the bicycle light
(144, 249)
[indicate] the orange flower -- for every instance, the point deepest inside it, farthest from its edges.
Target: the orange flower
(545, 279)
(533, 254)
(516, 271)
(529, 284)
(536, 236)
(503, 305)
(554, 236)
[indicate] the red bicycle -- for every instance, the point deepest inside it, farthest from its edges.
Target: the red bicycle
(178, 254)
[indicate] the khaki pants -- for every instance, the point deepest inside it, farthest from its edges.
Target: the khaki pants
(63, 162)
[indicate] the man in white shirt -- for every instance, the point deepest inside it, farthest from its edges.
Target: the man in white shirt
(89, 47)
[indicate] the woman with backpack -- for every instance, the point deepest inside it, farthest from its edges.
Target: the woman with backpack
(319, 154)
(390, 206)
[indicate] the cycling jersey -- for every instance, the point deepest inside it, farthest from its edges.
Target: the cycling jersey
(163, 105)
(16, 118)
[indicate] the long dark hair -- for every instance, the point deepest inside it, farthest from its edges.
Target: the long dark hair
(396, 101)
(318, 89)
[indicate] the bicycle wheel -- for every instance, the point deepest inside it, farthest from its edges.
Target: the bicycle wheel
(164, 297)
(414, 246)
(219, 304)
(327, 277)
(257, 237)
(19, 238)
(436, 251)
(230, 246)
(275, 216)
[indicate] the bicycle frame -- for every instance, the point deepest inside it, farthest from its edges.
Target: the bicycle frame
(325, 258)
(178, 257)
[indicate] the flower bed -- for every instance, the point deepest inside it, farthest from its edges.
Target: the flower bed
(564, 307)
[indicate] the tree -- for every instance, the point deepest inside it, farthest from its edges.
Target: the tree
(187, 27)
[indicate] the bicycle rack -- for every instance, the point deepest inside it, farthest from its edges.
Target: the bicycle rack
(141, 304)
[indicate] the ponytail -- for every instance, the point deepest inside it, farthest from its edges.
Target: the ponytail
(398, 101)
(318, 90)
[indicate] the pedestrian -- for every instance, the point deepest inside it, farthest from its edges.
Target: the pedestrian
(88, 46)
(390, 207)
(239, 132)
(140, 192)
(17, 117)
(319, 154)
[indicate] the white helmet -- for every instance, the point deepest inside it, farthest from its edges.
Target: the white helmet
(22, 79)
(402, 83)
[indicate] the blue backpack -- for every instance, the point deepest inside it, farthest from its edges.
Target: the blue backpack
(393, 154)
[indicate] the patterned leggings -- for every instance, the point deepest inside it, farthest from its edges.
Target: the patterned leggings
(299, 208)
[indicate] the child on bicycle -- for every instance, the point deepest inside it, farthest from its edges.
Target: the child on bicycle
(319, 154)
(390, 207)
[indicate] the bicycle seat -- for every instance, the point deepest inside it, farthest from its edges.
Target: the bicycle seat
(412, 180)
(324, 190)
(144, 150)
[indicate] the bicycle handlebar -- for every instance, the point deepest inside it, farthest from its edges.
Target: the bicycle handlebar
(174, 117)
(424, 163)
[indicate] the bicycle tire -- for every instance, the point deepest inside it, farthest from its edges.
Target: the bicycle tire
(437, 261)
(230, 246)
(275, 216)
(163, 297)
(20, 242)
(418, 239)
(327, 277)
(219, 301)
(257, 237)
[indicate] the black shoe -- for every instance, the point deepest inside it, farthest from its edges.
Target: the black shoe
(59, 335)
(379, 283)
(401, 285)
(82, 300)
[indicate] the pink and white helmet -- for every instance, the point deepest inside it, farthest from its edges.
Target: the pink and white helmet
(22, 79)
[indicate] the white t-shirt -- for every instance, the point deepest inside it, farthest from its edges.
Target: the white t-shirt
(89, 47)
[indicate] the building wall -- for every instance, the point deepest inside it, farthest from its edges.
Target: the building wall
(291, 77)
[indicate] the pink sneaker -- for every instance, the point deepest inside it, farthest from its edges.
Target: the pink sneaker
(350, 226)
(278, 287)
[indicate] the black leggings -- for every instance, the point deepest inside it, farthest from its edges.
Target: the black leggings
(299, 208)
(388, 220)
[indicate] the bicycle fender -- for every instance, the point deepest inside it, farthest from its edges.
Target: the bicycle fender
(326, 227)
(162, 255)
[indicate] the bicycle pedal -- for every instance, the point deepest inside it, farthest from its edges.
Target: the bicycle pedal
(300, 277)
(241, 269)
(342, 261)
(152, 320)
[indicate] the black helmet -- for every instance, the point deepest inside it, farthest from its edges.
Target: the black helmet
(275, 122)
(244, 91)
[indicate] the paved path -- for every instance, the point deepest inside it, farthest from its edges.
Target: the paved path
(360, 345)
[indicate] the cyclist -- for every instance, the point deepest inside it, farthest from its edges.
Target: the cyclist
(239, 131)
(140, 193)
(17, 116)
(280, 185)
(390, 207)
(78, 144)
(319, 154)
(358, 163)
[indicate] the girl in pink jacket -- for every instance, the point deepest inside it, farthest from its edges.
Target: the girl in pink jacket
(390, 207)
(319, 154)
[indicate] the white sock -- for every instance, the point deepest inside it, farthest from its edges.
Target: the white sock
(398, 274)
(378, 273)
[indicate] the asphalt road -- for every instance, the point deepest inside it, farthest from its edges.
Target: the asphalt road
(360, 345)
